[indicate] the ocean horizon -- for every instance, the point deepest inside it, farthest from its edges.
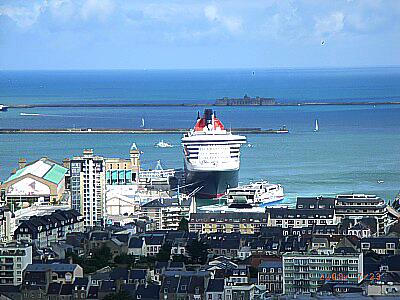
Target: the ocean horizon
(357, 148)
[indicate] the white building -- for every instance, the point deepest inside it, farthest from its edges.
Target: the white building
(88, 181)
(14, 258)
(122, 200)
(6, 229)
(305, 272)
(298, 218)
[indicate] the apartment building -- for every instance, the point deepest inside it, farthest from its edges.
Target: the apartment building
(88, 182)
(244, 223)
(306, 272)
(14, 258)
(300, 217)
(44, 230)
(359, 206)
(168, 212)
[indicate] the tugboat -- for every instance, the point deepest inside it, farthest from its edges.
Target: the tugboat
(3, 107)
(211, 156)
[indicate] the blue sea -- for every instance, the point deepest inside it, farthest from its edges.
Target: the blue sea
(356, 146)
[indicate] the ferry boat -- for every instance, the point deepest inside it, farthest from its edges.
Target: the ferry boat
(3, 107)
(211, 156)
(255, 194)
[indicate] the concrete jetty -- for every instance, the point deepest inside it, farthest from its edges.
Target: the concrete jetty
(94, 105)
(130, 131)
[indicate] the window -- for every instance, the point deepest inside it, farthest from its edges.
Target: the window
(390, 245)
(365, 245)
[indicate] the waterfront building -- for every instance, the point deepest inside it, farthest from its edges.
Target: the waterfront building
(306, 272)
(168, 212)
(359, 206)
(14, 258)
(6, 217)
(244, 223)
(42, 181)
(121, 171)
(48, 229)
(300, 217)
(88, 182)
(315, 203)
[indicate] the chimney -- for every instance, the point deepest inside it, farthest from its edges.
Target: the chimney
(21, 163)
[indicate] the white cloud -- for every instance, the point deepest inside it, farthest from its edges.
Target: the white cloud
(100, 9)
(232, 24)
(211, 12)
(23, 16)
(330, 25)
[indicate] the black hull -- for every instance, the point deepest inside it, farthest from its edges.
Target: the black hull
(213, 183)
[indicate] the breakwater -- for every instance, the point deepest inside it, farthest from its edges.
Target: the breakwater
(131, 131)
(88, 105)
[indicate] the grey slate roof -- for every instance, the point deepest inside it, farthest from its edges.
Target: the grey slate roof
(215, 286)
(135, 242)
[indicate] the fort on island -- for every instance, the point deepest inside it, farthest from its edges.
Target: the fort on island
(245, 101)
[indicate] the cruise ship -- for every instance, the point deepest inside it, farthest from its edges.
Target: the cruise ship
(211, 156)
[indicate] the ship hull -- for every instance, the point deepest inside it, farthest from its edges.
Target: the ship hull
(213, 183)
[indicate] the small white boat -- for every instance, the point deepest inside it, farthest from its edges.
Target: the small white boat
(162, 144)
(316, 126)
(142, 125)
(27, 114)
(380, 181)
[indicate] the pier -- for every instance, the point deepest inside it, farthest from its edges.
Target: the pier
(131, 131)
(200, 104)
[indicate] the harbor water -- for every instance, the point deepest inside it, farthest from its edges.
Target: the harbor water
(357, 148)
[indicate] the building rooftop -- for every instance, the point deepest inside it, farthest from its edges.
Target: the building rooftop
(52, 267)
(43, 168)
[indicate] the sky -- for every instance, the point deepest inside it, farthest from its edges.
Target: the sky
(161, 34)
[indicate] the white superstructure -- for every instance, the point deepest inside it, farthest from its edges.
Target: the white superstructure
(209, 147)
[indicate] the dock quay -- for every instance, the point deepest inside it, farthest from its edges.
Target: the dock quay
(131, 131)
(200, 104)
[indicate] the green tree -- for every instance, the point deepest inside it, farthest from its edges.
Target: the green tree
(164, 253)
(125, 259)
(198, 251)
(119, 296)
(100, 258)
(183, 225)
